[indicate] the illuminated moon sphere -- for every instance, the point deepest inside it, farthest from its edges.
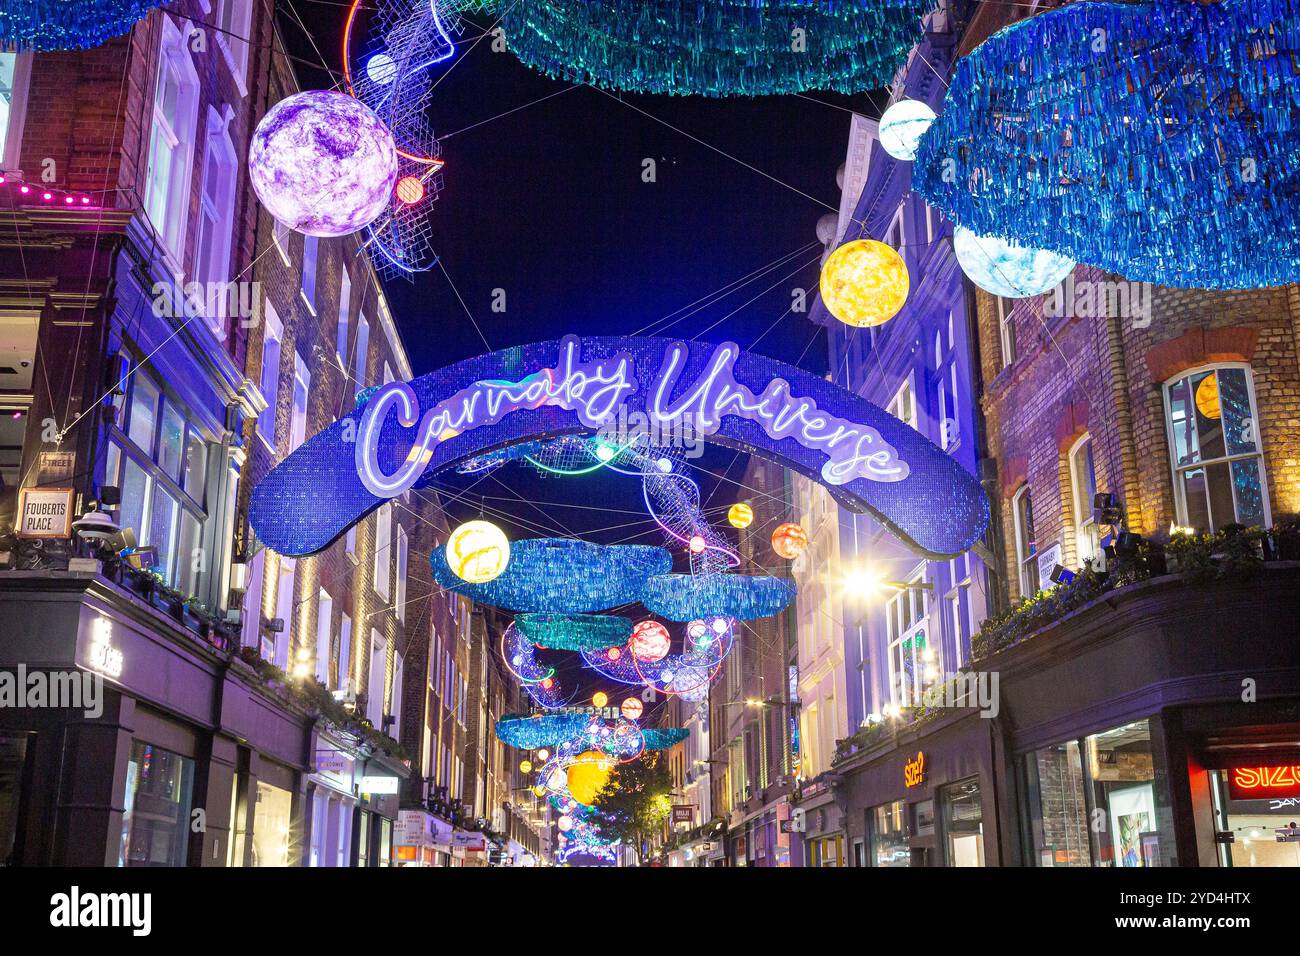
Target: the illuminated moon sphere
(740, 515)
(322, 163)
(587, 775)
(864, 283)
(1006, 269)
(650, 641)
(789, 540)
(902, 126)
(631, 708)
(478, 551)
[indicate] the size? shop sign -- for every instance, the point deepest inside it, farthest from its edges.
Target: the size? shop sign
(914, 771)
(45, 512)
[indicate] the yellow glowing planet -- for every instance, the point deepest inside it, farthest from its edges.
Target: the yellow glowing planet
(525, 766)
(740, 515)
(587, 775)
(599, 699)
(478, 551)
(864, 283)
(1207, 397)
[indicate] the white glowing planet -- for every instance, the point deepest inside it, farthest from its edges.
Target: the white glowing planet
(902, 126)
(1006, 269)
(322, 163)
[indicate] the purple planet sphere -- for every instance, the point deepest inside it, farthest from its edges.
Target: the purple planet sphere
(323, 163)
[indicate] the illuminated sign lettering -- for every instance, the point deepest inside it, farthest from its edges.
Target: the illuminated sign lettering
(405, 433)
(1259, 783)
(103, 656)
(914, 771)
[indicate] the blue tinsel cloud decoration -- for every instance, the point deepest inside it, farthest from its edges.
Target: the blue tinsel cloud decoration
(687, 597)
(1159, 141)
(43, 26)
(562, 574)
(575, 632)
(553, 730)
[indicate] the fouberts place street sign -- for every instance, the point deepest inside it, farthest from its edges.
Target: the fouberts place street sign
(405, 433)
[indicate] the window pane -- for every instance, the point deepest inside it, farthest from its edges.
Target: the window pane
(162, 524)
(1209, 424)
(135, 487)
(1057, 808)
(1198, 512)
(171, 442)
(156, 817)
(112, 464)
(1237, 418)
(1125, 785)
(1220, 484)
(196, 463)
(190, 540)
(8, 65)
(1249, 491)
(1181, 423)
(144, 413)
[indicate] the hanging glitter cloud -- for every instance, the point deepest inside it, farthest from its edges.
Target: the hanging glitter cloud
(322, 163)
(44, 26)
(723, 48)
(685, 597)
(575, 632)
(562, 575)
(1159, 141)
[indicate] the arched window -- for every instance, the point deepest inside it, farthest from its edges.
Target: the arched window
(1214, 448)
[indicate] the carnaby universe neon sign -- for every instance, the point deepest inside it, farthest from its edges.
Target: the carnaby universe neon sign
(407, 432)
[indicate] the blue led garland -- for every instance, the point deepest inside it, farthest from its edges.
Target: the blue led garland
(1158, 141)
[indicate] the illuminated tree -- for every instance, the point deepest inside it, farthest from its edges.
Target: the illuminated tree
(635, 802)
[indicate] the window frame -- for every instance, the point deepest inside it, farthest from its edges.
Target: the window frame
(1006, 331)
(212, 265)
(1023, 560)
(1085, 523)
(1180, 496)
(173, 53)
(907, 613)
(272, 328)
(12, 142)
(235, 47)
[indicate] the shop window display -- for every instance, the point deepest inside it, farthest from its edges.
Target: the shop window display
(1109, 778)
(963, 824)
(889, 846)
(156, 816)
(271, 826)
(13, 757)
(1257, 808)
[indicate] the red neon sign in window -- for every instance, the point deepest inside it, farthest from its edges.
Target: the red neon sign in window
(1258, 783)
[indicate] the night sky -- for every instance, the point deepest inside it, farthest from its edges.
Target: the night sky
(548, 204)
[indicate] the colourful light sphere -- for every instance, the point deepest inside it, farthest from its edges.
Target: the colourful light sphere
(323, 163)
(697, 544)
(525, 766)
(1207, 397)
(864, 283)
(740, 515)
(650, 641)
(789, 540)
(1007, 269)
(565, 823)
(902, 126)
(599, 699)
(409, 190)
(587, 775)
(632, 708)
(478, 551)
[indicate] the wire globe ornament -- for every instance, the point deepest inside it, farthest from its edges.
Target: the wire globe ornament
(864, 283)
(478, 552)
(322, 163)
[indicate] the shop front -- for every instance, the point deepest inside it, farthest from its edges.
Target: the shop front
(925, 796)
(178, 755)
(1159, 727)
(819, 815)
